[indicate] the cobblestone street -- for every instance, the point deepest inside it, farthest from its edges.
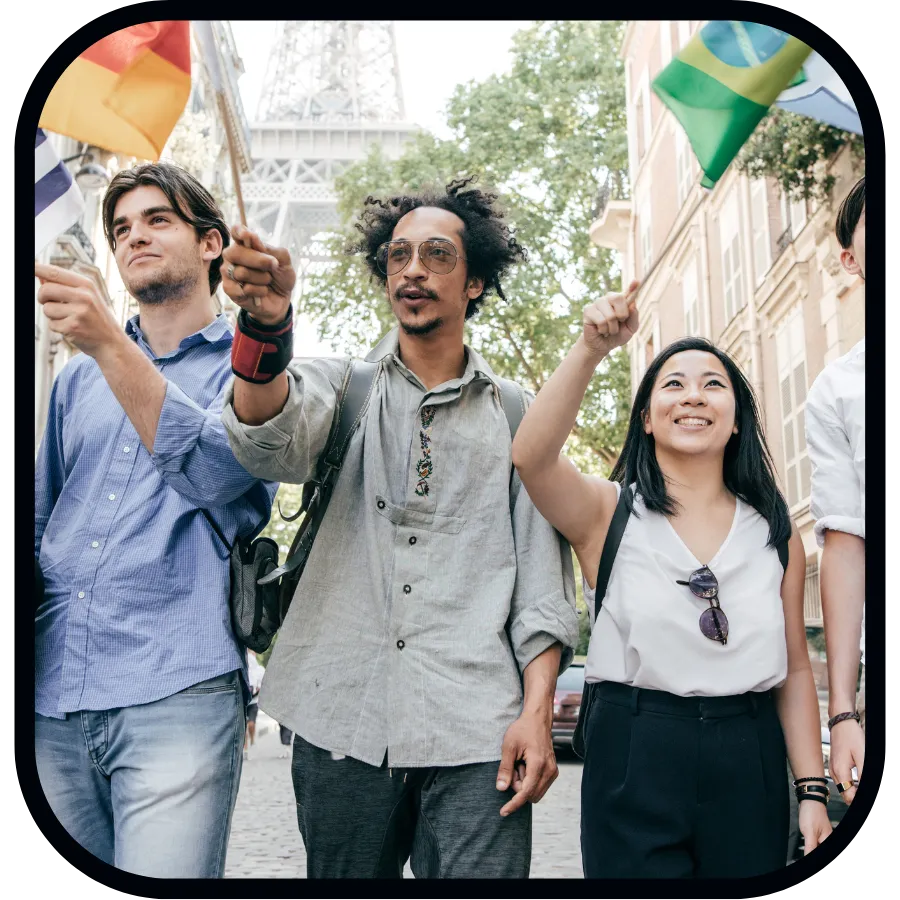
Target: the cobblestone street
(265, 842)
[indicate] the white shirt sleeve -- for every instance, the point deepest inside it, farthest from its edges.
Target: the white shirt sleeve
(835, 492)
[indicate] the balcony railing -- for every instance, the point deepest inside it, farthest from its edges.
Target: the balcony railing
(783, 241)
(614, 188)
(79, 234)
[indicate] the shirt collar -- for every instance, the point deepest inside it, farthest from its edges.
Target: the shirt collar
(389, 345)
(218, 330)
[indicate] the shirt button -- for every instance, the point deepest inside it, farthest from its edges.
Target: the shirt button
(81, 595)
(381, 504)
(412, 540)
(127, 449)
(112, 496)
(406, 588)
(400, 645)
(95, 543)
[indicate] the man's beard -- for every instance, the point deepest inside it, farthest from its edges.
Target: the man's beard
(426, 328)
(167, 287)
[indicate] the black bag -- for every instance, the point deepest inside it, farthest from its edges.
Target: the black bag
(255, 615)
(607, 558)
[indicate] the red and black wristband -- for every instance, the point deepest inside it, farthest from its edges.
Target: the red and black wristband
(259, 353)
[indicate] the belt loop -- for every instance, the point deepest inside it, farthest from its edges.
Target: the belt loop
(635, 693)
(754, 705)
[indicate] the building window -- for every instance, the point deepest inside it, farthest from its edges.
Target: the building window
(691, 299)
(648, 355)
(791, 351)
(646, 240)
(683, 165)
(759, 214)
(639, 124)
(812, 600)
(798, 216)
(732, 271)
(665, 43)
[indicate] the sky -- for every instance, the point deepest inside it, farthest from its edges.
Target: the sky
(434, 57)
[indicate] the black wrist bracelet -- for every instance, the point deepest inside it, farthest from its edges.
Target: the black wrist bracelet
(813, 789)
(817, 797)
(800, 781)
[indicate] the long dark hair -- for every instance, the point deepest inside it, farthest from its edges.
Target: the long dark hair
(748, 471)
(192, 202)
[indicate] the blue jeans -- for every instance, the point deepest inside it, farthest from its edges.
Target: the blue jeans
(149, 789)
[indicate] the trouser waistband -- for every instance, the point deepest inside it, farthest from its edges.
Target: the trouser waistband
(646, 700)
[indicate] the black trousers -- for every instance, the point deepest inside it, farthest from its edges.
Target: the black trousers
(682, 787)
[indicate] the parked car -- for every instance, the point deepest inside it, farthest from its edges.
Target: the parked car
(566, 704)
(836, 806)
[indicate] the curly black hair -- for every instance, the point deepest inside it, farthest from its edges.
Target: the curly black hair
(488, 242)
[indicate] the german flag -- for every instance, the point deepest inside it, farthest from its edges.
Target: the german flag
(126, 92)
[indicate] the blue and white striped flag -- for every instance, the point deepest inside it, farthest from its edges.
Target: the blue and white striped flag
(58, 203)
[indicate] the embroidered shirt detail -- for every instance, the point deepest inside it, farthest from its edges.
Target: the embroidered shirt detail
(425, 466)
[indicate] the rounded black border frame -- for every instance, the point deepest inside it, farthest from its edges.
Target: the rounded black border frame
(760, 885)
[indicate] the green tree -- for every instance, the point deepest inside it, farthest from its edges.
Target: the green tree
(546, 135)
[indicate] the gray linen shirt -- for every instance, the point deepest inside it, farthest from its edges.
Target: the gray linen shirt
(432, 582)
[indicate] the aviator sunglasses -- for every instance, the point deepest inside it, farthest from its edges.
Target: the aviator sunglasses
(437, 256)
(713, 622)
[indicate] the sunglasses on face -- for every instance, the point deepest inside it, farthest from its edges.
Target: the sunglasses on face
(437, 256)
(713, 622)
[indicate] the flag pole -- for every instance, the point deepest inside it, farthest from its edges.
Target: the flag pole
(232, 156)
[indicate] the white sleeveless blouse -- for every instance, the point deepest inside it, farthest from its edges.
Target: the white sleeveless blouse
(648, 632)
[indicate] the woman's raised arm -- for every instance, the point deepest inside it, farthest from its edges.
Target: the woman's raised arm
(577, 505)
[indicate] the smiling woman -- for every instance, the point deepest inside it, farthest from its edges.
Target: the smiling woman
(691, 523)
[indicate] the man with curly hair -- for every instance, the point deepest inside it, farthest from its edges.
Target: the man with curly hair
(437, 606)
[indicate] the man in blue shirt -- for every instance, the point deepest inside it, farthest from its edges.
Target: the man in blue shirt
(139, 706)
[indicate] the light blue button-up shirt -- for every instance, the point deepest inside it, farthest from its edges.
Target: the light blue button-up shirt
(136, 582)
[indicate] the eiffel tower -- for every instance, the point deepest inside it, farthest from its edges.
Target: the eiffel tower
(331, 91)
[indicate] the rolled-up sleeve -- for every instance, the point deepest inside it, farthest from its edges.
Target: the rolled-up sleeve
(288, 446)
(543, 602)
(192, 454)
(835, 492)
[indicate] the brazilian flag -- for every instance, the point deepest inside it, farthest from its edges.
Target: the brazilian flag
(723, 82)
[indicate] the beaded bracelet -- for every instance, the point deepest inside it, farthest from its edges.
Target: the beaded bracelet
(842, 717)
(800, 781)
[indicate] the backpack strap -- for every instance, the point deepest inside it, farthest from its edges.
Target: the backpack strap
(513, 401)
(783, 554)
(353, 401)
(611, 548)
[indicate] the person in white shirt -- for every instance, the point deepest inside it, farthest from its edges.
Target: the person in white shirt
(698, 681)
(836, 436)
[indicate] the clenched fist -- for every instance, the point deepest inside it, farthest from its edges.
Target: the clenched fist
(257, 277)
(611, 321)
(76, 309)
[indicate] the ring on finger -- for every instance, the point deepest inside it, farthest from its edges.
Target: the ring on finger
(230, 273)
(844, 786)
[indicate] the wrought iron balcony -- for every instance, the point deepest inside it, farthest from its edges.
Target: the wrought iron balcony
(614, 188)
(783, 241)
(79, 234)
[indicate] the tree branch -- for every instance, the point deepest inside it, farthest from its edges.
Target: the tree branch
(536, 382)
